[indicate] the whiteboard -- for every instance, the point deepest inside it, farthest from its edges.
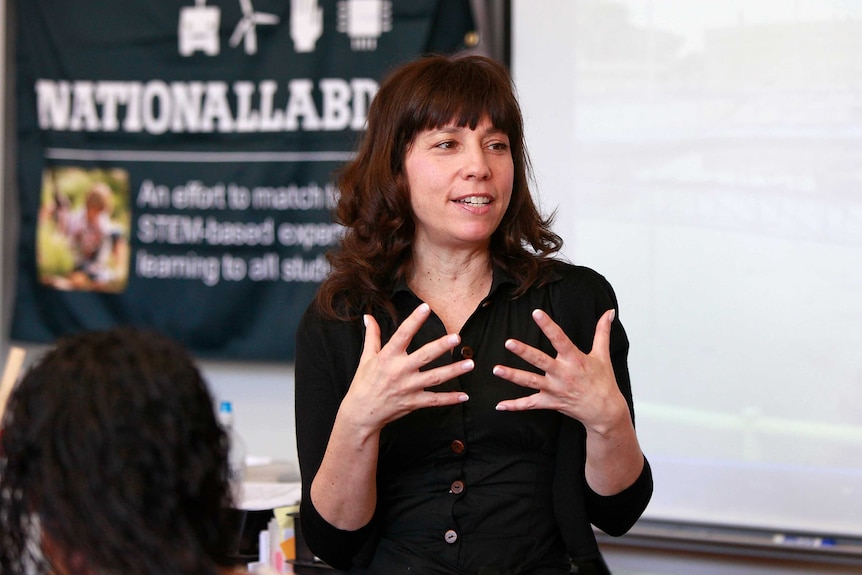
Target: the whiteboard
(706, 157)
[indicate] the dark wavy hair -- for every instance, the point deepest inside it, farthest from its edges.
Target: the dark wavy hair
(111, 449)
(374, 204)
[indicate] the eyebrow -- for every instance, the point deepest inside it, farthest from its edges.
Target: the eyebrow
(450, 129)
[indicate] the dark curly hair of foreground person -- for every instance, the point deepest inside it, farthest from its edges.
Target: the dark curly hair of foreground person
(112, 461)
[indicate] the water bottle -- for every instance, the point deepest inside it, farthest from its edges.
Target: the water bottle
(236, 454)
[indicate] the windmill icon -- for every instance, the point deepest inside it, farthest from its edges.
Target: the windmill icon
(246, 30)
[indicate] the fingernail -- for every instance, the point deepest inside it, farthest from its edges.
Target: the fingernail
(365, 320)
(424, 307)
(500, 407)
(454, 339)
(537, 313)
(463, 397)
(497, 370)
(510, 344)
(613, 314)
(467, 365)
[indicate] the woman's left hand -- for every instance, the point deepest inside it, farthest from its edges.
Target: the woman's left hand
(582, 386)
(579, 385)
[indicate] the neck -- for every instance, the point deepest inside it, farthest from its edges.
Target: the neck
(450, 275)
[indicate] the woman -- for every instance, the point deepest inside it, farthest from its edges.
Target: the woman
(462, 398)
(112, 461)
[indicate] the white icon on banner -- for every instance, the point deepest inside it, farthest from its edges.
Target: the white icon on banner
(306, 24)
(198, 29)
(364, 21)
(247, 28)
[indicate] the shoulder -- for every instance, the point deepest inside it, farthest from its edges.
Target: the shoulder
(567, 276)
(316, 330)
(323, 343)
(576, 297)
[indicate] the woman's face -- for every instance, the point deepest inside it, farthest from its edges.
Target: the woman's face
(460, 184)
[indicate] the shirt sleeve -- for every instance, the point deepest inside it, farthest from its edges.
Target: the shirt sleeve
(582, 297)
(616, 514)
(327, 353)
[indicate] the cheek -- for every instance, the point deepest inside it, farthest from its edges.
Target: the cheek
(422, 182)
(506, 188)
(411, 178)
(420, 203)
(508, 181)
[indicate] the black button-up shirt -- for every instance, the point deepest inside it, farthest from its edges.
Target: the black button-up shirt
(491, 504)
(465, 488)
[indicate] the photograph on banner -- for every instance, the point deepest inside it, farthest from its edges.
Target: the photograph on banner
(83, 230)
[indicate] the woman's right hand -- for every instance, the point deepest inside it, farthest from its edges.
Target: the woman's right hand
(389, 383)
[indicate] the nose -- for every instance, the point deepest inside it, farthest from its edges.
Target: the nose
(475, 163)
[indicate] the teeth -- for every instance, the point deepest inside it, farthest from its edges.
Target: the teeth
(475, 200)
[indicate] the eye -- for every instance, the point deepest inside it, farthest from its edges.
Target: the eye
(499, 146)
(446, 145)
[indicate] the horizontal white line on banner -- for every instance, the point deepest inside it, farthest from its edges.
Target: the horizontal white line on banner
(160, 156)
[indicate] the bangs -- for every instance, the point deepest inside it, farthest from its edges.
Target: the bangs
(439, 91)
(461, 94)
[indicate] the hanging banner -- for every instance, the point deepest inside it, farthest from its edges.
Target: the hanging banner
(175, 158)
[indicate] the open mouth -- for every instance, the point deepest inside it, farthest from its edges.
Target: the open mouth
(474, 201)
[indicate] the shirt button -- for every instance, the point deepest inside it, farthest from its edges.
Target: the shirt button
(450, 536)
(457, 446)
(466, 352)
(456, 487)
